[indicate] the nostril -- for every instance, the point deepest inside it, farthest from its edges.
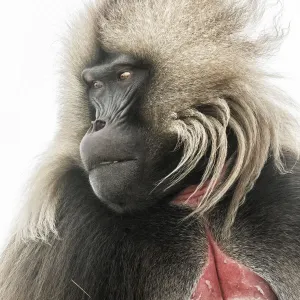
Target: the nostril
(98, 125)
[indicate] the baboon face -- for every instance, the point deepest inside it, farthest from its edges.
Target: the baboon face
(123, 153)
(163, 117)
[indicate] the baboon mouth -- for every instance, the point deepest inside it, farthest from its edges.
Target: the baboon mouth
(114, 162)
(99, 164)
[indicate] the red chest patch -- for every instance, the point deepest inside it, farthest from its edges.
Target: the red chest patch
(225, 279)
(222, 277)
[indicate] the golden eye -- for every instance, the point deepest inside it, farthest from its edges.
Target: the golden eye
(125, 75)
(97, 84)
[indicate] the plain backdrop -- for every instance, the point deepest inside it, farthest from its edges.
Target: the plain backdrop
(30, 45)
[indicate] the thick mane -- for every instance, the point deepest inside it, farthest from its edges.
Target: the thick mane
(207, 87)
(229, 93)
(226, 77)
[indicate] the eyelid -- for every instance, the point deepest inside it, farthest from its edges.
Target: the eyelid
(121, 68)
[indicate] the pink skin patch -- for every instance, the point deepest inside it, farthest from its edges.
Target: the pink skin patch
(190, 196)
(222, 277)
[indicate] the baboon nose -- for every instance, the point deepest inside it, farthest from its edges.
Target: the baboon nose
(98, 125)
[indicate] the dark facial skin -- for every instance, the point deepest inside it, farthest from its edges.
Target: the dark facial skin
(119, 152)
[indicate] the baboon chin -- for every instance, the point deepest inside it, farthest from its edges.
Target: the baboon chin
(173, 174)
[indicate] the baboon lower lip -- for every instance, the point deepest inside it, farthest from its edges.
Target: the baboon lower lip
(224, 278)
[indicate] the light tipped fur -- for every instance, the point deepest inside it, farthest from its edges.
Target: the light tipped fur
(206, 73)
(202, 54)
(201, 57)
(258, 136)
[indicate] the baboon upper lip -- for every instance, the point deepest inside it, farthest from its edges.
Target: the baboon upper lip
(114, 161)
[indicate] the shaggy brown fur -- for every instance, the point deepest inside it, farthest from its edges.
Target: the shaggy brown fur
(207, 82)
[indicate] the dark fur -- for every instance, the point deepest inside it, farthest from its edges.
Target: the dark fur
(156, 255)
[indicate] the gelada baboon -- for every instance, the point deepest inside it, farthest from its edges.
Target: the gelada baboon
(174, 173)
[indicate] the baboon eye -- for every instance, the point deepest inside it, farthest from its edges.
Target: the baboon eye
(97, 84)
(125, 75)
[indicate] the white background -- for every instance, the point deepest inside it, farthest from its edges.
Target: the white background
(30, 35)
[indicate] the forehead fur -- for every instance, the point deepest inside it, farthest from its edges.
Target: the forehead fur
(185, 32)
(193, 45)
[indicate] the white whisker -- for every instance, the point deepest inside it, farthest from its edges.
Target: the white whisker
(81, 288)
